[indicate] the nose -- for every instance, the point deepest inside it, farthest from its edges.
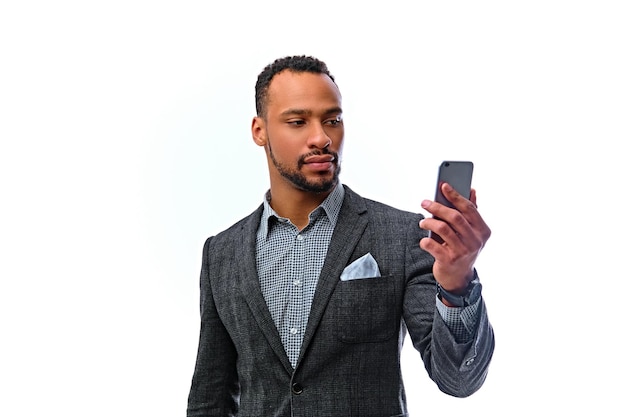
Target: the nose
(319, 138)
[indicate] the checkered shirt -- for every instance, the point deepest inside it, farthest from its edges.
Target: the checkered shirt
(289, 262)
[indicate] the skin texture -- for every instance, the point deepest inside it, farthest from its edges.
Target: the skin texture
(464, 234)
(302, 133)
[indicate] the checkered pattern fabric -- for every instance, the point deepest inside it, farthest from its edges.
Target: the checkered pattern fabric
(289, 262)
(460, 320)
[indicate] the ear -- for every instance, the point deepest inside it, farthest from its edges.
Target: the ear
(259, 134)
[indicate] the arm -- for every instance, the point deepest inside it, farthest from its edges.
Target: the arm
(458, 365)
(214, 388)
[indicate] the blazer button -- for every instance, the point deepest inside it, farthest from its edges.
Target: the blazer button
(296, 388)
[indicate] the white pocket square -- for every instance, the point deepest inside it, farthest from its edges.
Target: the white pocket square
(364, 267)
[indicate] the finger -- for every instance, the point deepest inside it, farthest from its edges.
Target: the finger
(473, 197)
(472, 223)
(440, 211)
(455, 234)
(465, 234)
(478, 221)
(466, 206)
(456, 198)
(453, 227)
(469, 226)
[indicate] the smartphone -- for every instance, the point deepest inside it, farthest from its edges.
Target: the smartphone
(459, 175)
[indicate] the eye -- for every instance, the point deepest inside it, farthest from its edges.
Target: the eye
(297, 122)
(336, 121)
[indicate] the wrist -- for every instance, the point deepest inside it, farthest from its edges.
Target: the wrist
(463, 298)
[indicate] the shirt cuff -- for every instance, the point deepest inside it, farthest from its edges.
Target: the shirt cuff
(460, 320)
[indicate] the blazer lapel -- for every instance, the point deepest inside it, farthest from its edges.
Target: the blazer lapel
(251, 289)
(348, 231)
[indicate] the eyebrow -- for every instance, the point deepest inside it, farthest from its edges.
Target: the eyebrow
(303, 112)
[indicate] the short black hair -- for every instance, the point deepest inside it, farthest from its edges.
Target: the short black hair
(298, 63)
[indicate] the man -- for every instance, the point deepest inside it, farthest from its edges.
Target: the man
(305, 303)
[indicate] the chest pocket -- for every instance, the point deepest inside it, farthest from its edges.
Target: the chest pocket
(367, 310)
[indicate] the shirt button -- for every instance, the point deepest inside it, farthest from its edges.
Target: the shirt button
(300, 237)
(469, 362)
(293, 330)
(296, 388)
(297, 282)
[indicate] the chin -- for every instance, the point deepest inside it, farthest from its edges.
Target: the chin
(322, 186)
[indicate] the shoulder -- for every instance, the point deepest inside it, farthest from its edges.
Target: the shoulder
(248, 224)
(378, 210)
(396, 229)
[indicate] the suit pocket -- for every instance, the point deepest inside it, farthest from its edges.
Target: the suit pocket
(366, 310)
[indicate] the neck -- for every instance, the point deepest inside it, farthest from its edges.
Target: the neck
(295, 204)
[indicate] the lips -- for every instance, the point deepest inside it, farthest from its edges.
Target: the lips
(318, 159)
(319, 163)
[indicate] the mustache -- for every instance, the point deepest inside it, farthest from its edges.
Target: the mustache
(318, 152)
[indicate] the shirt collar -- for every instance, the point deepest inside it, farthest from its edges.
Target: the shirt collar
(331, 205)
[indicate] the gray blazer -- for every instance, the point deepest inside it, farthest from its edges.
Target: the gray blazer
(349, 363)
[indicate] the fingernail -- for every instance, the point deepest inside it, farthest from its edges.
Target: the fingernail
(426, 203)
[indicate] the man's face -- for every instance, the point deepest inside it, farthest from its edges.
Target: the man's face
(302, 131)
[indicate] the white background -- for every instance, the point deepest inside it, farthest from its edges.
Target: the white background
(125, 142)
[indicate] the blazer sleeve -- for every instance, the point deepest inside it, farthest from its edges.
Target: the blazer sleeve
(214, 387)
(458, 369)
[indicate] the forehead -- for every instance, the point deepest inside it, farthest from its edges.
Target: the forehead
(302, 90)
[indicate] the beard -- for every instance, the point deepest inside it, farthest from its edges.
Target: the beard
(298, 179)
